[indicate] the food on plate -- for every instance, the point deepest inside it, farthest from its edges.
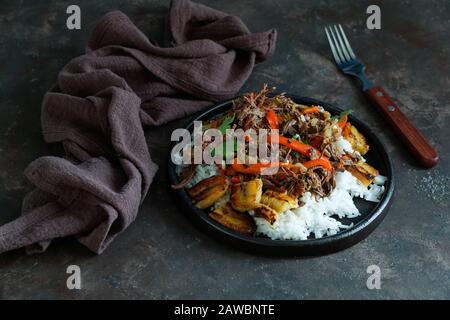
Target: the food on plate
(233, 219)
(246, 196)
(364, 172)
(205, 193)
(279, 201)
(320, 169)
(356, 139)
(267, 213)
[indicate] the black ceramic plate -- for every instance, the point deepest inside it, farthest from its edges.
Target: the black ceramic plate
(371, 213)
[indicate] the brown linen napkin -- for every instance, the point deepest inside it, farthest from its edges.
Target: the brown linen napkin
(97, 110)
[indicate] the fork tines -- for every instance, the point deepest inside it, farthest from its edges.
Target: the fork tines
(340, 47)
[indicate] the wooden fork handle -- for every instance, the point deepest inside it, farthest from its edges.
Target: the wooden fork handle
(405, 129)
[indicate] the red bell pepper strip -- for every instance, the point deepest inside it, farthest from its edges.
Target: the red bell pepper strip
(295, 145)
(272, 119)
(258, 167)
(311, 110)
(347, 129)
(322, 162)
(342, 121)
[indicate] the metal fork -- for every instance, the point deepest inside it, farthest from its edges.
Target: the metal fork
(348, 63)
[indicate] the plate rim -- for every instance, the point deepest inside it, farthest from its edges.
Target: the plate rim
(328, 244)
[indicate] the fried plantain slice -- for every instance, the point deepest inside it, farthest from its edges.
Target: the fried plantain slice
(278, 201)
(246, 196)
(267, 213)
(356, 139)
(364, 172)
(208, 191)
(237, 221)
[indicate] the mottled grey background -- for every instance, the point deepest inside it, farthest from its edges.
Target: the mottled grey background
(162, 255)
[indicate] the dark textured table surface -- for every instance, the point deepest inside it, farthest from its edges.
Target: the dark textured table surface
(162, 255)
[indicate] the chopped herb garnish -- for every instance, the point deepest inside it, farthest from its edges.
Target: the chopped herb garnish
(226, 124)
(342, 114)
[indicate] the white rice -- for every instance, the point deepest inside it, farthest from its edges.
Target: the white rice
(343, 145)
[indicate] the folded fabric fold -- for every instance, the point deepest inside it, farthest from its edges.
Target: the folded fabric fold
(99, 107)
